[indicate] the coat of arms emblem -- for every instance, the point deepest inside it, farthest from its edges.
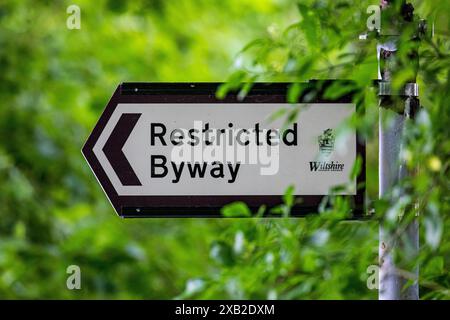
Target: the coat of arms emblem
(326, 142)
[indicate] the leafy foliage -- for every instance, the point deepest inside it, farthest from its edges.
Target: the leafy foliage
(55, 83)
(321, 46)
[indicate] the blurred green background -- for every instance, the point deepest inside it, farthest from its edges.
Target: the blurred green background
(54, 84)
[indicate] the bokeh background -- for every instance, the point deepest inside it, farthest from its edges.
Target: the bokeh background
(54, 84)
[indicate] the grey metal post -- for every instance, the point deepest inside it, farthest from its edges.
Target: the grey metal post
(392, 280)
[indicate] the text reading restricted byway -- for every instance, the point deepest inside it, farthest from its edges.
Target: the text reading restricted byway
(217, 140)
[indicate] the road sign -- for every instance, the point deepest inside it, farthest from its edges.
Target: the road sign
(175, 150)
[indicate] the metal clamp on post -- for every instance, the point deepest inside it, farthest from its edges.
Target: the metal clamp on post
(408, 97)
(409, 90)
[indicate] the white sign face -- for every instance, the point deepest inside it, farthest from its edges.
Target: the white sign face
(175, 150)
(224, 149)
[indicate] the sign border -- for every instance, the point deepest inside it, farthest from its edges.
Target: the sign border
(206, 205)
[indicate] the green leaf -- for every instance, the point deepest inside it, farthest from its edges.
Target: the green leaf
(233, 83)
(288, 196)
(435, 266)
(236, 209)
(261, 211)
(246, 88)
(433, 227)
(356, 169)
(292, 116)
(294, 92)
(279, 209)
(222, 253)
(337, 90)
(277, 114)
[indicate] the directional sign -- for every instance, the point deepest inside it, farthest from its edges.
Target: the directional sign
(175, 150)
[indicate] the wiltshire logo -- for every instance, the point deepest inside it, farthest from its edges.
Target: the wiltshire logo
(326, 142)
(326, 147)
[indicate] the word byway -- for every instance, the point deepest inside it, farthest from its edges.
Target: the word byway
(160, 169)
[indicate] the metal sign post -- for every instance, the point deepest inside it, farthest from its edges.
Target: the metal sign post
(395, 284)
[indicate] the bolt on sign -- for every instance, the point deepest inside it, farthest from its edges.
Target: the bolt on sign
(175, 150)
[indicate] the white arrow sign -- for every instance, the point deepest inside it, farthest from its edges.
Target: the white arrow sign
(152, 150)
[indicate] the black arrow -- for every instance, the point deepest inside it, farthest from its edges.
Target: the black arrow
(113, 149)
